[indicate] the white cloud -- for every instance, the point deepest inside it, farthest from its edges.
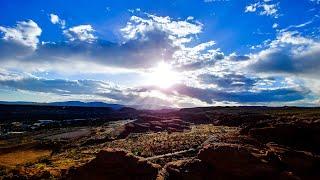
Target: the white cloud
(101, 56)
(92, 90)
(251, 8)
(201, 55)
(56, 20)
(297, 26)
(291, 38)
(81, 33)
(138, 26)
(180, 33)
(134, 10)
(190, 18)
(269, 10)
(148, 40)
(26, 33)
(264, 8)
(275, 25)
(290, 55)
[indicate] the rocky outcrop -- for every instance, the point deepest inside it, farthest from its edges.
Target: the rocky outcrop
(116, 164)
(234, 161)
(186, 169)
(301, 137)
(303, 164)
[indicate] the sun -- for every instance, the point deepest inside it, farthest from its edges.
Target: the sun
(163, 76)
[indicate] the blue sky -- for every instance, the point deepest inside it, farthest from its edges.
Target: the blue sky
(169, 53)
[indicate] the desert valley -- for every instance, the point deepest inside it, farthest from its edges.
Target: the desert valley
(193, 143)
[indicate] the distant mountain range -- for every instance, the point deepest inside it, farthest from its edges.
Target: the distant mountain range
(68, 103)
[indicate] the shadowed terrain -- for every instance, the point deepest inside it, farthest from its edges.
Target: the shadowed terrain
(192, 143)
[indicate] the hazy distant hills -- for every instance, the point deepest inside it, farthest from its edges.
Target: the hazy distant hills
(68, 103)
(90, 104)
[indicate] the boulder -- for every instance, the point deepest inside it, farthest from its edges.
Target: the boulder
(298, 137)
(236, 161)
(191, 169)
(116, 164)
(303, 164)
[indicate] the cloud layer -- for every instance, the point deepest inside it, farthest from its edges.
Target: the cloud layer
(279, 71)
(25, 33)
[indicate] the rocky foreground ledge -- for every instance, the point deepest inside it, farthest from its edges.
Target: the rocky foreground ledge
(214, 161)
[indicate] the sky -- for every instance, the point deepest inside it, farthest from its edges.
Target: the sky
(154, 54)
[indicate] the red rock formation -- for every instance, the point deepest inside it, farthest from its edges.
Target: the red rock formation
(116, 164)
(300, 137)
(236, 161)
(226, 161)
(192, 169)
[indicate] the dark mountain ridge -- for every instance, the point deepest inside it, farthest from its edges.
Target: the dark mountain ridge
(67, 103)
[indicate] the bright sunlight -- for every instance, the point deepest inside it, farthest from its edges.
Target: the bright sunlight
(163, 76)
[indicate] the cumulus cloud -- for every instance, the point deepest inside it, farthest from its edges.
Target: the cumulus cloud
(281, 61)
(179, 94)
(289, 53)
(138, 26)
(212, 95)
(92, 89)
(84, 48)
(25, 81)
(69, 88)
(199, 56)
(230, 81)
(133, 54)
(209, 74)
(58, 86)
(25, 33)
(146, 41)
(56, 20)
(235, 57)
(264, 8)
(179, 33)
(81, 33)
